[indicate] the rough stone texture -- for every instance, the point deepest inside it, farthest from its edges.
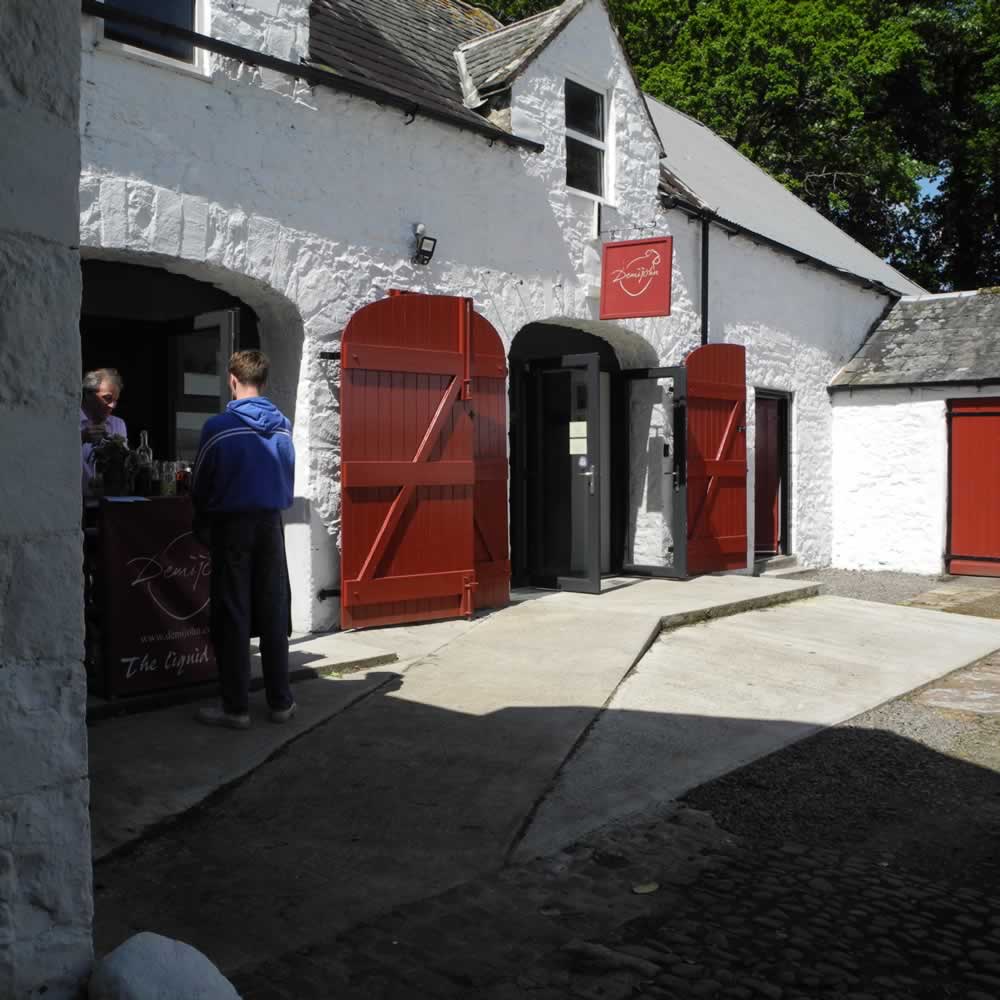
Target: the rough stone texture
(41, 741)
(153, 967)
(45, 876)
(891, 477)
(302, 203)
(39, 70)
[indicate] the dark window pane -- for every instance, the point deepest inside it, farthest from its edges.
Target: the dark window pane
(584, 166)
(584, 110)
(179, 12)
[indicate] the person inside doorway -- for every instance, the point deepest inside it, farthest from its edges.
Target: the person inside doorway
(102, 388)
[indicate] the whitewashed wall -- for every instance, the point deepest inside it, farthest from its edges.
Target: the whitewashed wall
(799, 325)
(891, 477)
(45, 877)
(303, 202)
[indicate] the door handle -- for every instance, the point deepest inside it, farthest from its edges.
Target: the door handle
(589, 474)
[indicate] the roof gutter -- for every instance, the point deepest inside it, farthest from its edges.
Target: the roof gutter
(671, 201)
(303, 71)
(978, 383)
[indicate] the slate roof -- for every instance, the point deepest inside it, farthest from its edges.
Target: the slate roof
(403, 48)
(950, 338)
(723, 180)
(493, 61)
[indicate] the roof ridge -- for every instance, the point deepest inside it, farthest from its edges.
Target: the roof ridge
(492, 35)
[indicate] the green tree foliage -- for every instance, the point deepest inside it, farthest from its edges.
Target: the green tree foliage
(855, 105)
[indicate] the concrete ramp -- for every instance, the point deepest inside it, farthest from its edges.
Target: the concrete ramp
(709, 698)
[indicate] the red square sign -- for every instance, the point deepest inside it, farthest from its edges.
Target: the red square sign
(635, 278)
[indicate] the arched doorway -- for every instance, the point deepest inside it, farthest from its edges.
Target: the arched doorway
(169, 336)
(594, 492)
(146, 586)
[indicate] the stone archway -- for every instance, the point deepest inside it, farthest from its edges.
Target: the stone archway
(568, 516)
(294, 283)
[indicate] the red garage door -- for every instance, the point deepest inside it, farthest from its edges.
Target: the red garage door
(974, 473)
(423, 462)
(717, 458)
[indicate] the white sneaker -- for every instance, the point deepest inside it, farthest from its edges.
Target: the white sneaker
(217, 716)
(283, 714)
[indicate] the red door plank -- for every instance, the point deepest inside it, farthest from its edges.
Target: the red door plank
(423, 462)
(974, 484)
(717, 492)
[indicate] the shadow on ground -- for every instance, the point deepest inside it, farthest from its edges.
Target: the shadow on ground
(396, 802)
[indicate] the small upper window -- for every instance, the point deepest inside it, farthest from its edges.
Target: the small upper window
(178, 12)
(585, 146)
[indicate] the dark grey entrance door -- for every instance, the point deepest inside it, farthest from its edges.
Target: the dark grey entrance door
(656, 505)
(563, 473)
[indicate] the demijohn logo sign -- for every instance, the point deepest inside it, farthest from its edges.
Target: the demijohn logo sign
(635, 278)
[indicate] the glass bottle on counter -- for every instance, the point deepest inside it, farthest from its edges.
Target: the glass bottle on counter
(183, 479)
(144, 470)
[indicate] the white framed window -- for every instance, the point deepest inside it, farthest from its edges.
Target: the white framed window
(150, 46)
(586, 143)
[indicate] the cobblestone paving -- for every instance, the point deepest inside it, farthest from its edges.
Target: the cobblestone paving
(862, 864)
(782, 922)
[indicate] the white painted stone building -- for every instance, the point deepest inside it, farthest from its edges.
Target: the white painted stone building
(917, 441)
(300, 201)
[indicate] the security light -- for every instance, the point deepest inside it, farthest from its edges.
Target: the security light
(425, 245)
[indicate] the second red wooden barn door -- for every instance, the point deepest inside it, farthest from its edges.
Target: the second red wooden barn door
(974, 474)
(423, 425)
(717, 458)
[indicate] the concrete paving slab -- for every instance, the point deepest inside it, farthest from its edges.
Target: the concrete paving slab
(708, 699)
(147, 769)
(422, 785)
(558, 651)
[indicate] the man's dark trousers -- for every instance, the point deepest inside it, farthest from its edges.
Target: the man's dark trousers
(250, 596)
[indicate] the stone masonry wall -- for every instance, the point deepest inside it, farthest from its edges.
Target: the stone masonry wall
(302, 203)
(45, 879)
(891, 477)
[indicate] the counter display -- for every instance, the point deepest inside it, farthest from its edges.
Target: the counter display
(149, 604)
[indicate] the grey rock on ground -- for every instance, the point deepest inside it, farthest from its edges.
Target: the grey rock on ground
(152, 967)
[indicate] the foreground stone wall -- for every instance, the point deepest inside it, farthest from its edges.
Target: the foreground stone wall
(45, 880)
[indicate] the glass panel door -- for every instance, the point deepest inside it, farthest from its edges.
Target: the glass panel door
(564, 503)
(201, 384)
(656, 529)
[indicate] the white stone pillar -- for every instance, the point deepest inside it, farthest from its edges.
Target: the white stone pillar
(45, 873)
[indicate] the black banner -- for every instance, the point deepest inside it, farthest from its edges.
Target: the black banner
(155, 582)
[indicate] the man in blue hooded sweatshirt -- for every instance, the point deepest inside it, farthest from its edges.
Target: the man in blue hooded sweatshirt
(243, 478)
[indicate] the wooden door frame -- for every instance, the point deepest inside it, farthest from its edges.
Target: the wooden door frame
(784, 464)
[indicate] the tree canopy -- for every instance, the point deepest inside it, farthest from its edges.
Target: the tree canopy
(884, 115)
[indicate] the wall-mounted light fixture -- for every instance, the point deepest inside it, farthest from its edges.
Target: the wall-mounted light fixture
(424, 250)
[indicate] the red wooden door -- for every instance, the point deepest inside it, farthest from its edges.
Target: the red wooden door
(423, 424)
(717, 458)
(767, 477)
(974, 474)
